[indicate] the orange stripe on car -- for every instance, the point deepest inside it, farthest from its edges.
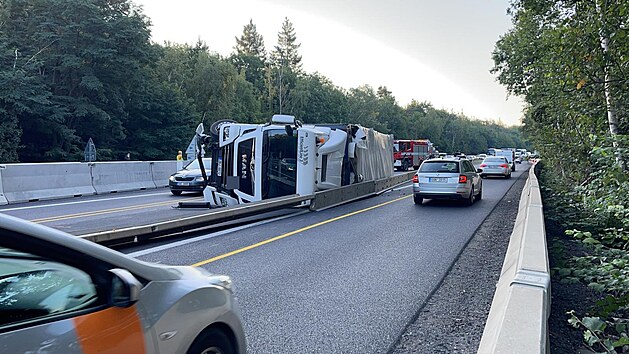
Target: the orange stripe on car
(114, 330)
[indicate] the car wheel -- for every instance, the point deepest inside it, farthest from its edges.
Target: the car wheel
(211, 341)
(470, 200)
(508, 176)
(480, 194)
(418, 200)
(176, 192)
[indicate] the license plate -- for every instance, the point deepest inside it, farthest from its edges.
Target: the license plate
(493, 166)
(184, 183)
(439, 179)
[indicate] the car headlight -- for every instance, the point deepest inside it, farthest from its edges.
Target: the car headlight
(171, 178)
(199, 179)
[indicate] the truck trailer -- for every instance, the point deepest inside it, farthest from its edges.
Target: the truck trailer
(252, 162)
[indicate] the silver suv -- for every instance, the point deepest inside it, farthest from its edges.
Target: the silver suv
(447, 179)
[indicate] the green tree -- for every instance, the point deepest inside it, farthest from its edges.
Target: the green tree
(286, 52)
(316, 100)
(85, 55)
(211, 83)
(285, 67)
(250, 57)
(569, 61)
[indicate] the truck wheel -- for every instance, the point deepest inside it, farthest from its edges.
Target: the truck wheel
(418, 200)
(405, 165)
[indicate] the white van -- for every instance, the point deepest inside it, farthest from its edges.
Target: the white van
(509, 155)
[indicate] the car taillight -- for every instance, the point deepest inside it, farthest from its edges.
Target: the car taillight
(483, 165)
(462, 179)
(504, 165)
(416, 179)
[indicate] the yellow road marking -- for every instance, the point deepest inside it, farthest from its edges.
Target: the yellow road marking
(106, 211)
(273, 239)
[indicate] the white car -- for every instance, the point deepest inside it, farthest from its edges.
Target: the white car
(62, 294)
(495, 166)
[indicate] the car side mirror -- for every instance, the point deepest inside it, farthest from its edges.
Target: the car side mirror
(125, 288)
(479, 170)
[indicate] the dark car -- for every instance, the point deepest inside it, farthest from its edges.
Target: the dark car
(189, 179)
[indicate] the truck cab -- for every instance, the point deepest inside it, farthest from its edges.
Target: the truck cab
(285, 157)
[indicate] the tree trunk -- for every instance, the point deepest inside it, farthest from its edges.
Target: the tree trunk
(612, 118)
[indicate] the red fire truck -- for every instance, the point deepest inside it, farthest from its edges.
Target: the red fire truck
(411, 153)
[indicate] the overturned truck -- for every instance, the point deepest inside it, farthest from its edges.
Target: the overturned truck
(252, 162)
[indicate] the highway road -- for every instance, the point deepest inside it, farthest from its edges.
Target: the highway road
(343, 280)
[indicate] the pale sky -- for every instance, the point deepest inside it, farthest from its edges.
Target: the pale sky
(427, 50)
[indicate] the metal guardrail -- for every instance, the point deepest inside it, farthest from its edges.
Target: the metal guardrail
(198, 221)
(318, 201)
(517, 321)
(346, 194)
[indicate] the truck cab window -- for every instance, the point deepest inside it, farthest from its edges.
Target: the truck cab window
(279, 163)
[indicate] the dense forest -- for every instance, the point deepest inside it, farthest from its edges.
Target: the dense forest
(71, 70)
(570, 61)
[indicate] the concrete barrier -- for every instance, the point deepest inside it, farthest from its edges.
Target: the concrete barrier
(35, 181)
(3, 199)
(517, 321)
(109, 177)
(161, 170)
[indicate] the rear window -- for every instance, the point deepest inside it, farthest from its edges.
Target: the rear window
(440, 166)
(495, 159)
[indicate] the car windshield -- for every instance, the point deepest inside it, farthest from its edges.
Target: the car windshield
(194, 164)
(440, 166)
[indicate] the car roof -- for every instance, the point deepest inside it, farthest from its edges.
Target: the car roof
(443, 160)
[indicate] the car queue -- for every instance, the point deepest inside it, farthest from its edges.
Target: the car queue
(455, 177)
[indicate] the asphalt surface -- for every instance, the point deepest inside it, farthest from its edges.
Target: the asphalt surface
(344, 280)
(453, 319)
(105, 212)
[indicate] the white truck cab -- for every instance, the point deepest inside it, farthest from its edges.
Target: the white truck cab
(285, 157)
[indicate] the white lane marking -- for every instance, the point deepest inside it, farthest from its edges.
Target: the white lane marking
(82, 202)
(208, 236)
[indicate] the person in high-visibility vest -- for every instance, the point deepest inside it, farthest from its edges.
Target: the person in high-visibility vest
(179, 160)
